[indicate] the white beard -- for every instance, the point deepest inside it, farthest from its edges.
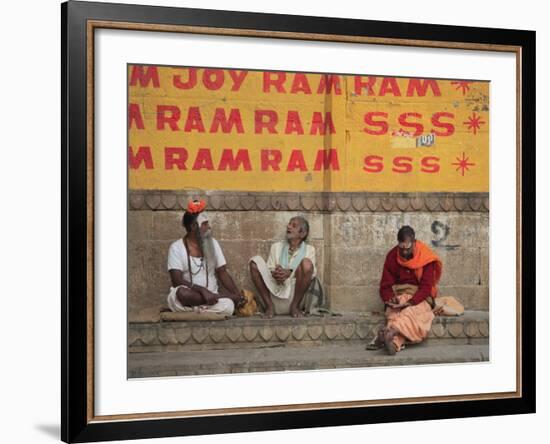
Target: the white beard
(207, 245)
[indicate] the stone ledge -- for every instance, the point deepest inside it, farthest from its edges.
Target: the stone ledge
(257, 332)
(282, 358)
(158, 200)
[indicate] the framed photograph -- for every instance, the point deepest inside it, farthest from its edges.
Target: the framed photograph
(275, 221)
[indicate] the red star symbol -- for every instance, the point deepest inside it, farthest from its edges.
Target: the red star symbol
(463, 85)
(463, 163)
(474, 122)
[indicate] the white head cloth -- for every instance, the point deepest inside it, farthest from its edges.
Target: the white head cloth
(203, 217)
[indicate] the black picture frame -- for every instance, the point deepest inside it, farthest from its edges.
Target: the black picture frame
(77, 421)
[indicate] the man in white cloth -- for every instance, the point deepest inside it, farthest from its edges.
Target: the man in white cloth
(283, 281)
(195, 264)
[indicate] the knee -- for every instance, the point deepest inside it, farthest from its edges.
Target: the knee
(227, 306)
(305, 267)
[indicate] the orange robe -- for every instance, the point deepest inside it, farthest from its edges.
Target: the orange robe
(423, 271)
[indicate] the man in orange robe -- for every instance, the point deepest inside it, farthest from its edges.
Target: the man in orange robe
(408, 288)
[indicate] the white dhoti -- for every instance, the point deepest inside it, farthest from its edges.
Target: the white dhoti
(281, 294)
(224, 306)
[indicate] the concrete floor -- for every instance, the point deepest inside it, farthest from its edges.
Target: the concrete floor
(284, 358)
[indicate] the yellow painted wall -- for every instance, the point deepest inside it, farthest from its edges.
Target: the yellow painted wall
(366, 161)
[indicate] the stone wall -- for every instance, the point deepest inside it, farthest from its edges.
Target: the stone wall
(351, 233)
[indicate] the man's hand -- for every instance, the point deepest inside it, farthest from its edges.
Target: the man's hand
(399, 306)
(394, 302)
(209, 297)
(281, 274)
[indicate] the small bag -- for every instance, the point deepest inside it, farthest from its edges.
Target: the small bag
(448, 306)
(250, 307)
(314, 302)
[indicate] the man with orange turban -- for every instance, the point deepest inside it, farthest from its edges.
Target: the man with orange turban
(196, 263)
(408, 288)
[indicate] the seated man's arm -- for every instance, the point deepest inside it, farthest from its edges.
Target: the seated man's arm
(310, 255)
(278, 273)
(176, 264)
(176, 276)
(226, 280)
(426, 284)
(192, 295)
(189, 294)
(386, 283)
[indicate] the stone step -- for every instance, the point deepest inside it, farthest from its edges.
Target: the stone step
(256, 332)
(285, 358)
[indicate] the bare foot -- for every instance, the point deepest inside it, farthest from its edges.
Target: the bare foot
(268, 313)
(388, 341)
(379, 341)
(296, 312)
